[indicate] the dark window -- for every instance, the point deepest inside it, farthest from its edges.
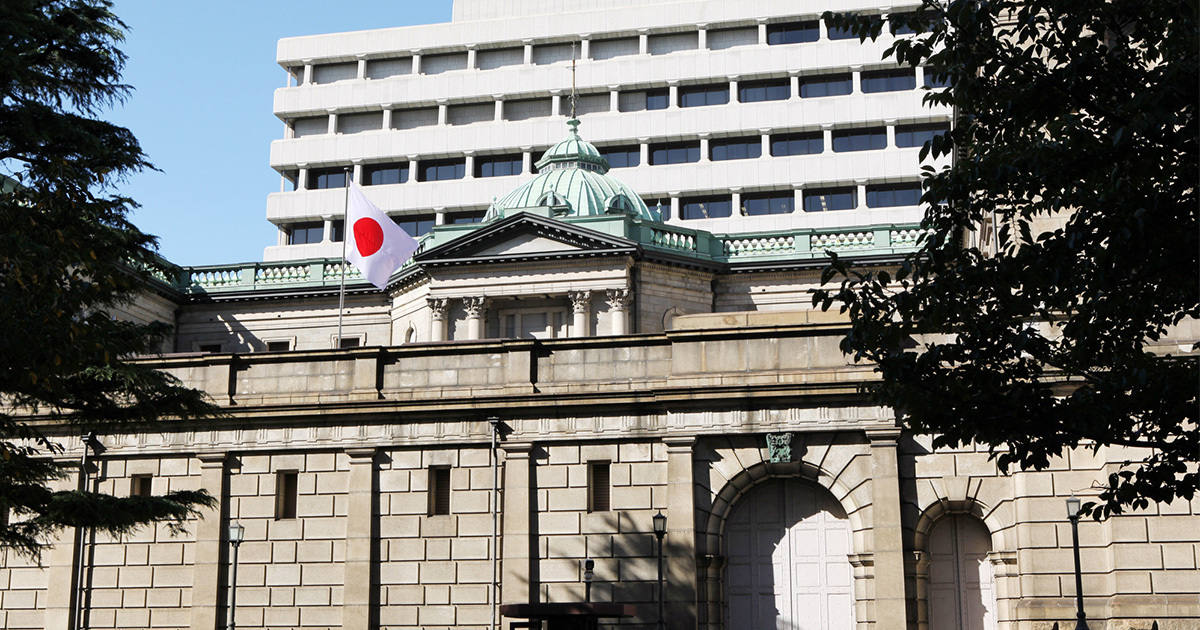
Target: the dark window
(439, 491)
(793, 33)
(437, 170)
(279, 346)
(898, 29)
(336, 233)
(859, 140)
(287, 490)
(797, 143)
(917, 135)
(599, 487)
(701, 95)
(304, 233)
(705, 207)
(933, 81)
(756, 91)
(893, 195)
(822, 199)
(658, 99)
(837, 32)
(498, 165)
(291, 177)
(674, 153)
(209, 347)
(735, 148)
(622, 157)
(459, 218)
(826, 85)
(778, 202)
(380, 174)
(639, 100)
(349, 342)
(321, 178)
(141, 485)
(415, 225)
(888, 81)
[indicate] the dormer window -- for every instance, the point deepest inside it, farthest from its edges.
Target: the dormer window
(619, 204)
(552, 199)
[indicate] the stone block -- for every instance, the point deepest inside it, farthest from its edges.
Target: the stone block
(124, 618)
(312, 596)
(1182, 582)
(173, 576)
(562, 454)
(437, 594)
(620, 474)
(399, 572)
(567, 499)
(633, 452)
(166, 553)
(314, 505)
(437, 549)
(468, 594)
(435, 526)
(470, 548)
(631, 498)
(283, 575)
(1179, 556)
(1132, 582)
(309, 551)
(321, 616)
(135, 577)
(398, 616)
(471, 501)
(566, 547)
(552, 476)
(322, 574)
(1173, 528)
(393, 481)
(443, 572)
(436, 616)
(550, 523)
(402, 595)
(320, 462)
(648, 474)
(281, 617)
(1129, 557)
(404, 550)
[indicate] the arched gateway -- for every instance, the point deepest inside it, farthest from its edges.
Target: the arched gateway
(787, 567)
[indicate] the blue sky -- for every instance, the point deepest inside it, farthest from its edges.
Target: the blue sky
(204, 75)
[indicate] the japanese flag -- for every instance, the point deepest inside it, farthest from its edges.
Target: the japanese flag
(374, 244)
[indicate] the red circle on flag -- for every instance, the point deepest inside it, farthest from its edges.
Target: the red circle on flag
(368, 236)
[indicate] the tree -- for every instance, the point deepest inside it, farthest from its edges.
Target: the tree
(68, 256)
(1076, 138)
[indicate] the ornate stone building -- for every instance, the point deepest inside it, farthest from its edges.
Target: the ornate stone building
(536, 386)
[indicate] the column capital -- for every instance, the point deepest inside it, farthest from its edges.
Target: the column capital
(476, 306)
(438, 307)
(517, 450)
(581, 301)
(618, 299)
(884, 437)
(212, 459)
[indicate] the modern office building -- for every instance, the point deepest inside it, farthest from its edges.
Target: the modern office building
(607, 322)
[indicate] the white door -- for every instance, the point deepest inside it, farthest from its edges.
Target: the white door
(786, 559)
(962, 585)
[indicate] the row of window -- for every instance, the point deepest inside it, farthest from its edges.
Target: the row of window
(625, 156)
(415, 225)
(287, 490)
(816, 86)
(784, 202)
(782, 33)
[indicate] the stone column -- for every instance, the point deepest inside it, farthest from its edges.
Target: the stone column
(437, 318)
(855, 76)
(359, 598)
(614, 98)
(644, 151)
(798, 197)
(643, 41)
(795, 85)
(528, 44)
(471, 57)
(499, 114)
(412, 171)
(762, 32)
(861, 194)
(326, 229)
(702, 36)
(886, 530)
(333, 120)
(362, 67)
(735, 194)
(387, 118)
(416, 62)
(356, 171)
(443, 111)
(469, 164)
(826, 138)
(302, 177)
(920, 75)
(704, 152)
(581, 307)
(209, 573)
(62, 569)
(476, 315)
(618, 305)
(733, 89)
(526, 160)
(675, 205)
(672, 94)
(681, 567)
(585, 49)
(555, 102)
(766, 142)
(308, 72)
(518, 542)
(891, 132)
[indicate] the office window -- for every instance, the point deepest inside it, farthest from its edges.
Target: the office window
(589, 104)
(900, 29)
(315, 126)
(414, 118)
(336, 231)
(725, 38)
(141, 485)
(500, 57)
(822, 199)
(470, 114)
(349, 342)
(384, 68)
(279, 346)
(859, 140)
(932, 80)
(334, 72)
(917, 135)
(623, 156)
(659, 205)
(674, 153)
(553, 53)
(498, 165)
(599, 487)
(320, 178)
(641, 100)
(775, 202)
(701, 95)
(437, 64)
(672, 42)
(460, 218)
(837, 32)
(415, 225)
(756, 91)
(793, 33)
(611, 48)
(526, 109)
(714, 207)
(438, 170)
(735, 148)
(797, 143)
(439, 491)
(358, 123)
(287, 491)
(826, 85)
(893, 195)
(380, 174)
(305, 233)
(888, 81)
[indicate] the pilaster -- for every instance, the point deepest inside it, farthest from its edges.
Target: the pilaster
(887, 532)
(682, 571)
(208, 571)
(359, 591)
(517, 542)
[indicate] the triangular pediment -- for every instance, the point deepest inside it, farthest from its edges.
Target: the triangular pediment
(526, 236)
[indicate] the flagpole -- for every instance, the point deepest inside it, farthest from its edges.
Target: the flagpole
(345, 234)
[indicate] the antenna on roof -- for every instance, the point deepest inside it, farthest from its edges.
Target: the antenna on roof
(572, 80)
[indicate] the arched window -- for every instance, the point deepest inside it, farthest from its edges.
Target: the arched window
(410, 335)
(618, 204)
(960, 585)
(551, 199)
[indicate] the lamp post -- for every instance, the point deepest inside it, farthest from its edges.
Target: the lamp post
(1073, 515)
(660, 530)
(236, 532)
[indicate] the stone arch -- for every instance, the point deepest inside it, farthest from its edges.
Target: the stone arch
(1001, 557)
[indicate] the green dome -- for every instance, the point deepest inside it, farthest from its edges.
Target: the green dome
(573, 179)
